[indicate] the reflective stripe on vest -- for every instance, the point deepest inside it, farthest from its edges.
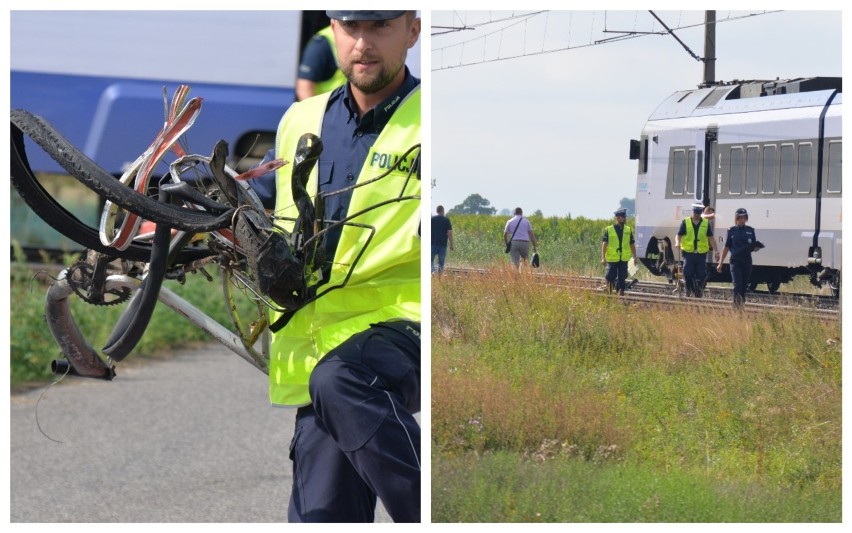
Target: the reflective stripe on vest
(612, 246)
(339, 78)
(385, 282)
(687, 242)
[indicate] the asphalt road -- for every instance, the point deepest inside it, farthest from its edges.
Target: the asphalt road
(188, 439)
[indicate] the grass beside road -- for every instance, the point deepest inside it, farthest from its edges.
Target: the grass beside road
(564, 406)
(32, 347)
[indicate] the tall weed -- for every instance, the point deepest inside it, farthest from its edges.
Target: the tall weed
(544, 372)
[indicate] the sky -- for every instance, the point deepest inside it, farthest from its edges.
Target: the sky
(551, 131)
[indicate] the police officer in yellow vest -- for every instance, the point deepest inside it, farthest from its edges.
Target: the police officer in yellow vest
(695, 239)
(617, 247)
(350, 358)
(319, 68)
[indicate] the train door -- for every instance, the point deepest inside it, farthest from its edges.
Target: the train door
(711, 167)
(712, 173)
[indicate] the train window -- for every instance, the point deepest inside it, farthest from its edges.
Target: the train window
(804, 168)
(679, 171)
(690, 173)
(735, 185)
(770, 169)
(835, 165)
(699, 176)
(752, 169)
(785, 176)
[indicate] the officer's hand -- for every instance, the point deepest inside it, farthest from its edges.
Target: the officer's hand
(719, 268)
(603, 261)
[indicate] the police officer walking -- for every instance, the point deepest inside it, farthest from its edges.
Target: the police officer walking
(741, 242)
(695, 239)
(617, 247)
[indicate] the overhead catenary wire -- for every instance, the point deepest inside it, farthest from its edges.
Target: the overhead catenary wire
(463, 48)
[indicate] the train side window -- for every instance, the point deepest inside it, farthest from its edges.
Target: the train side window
(678, 171)
(770, 169)
(834, 183)
(786, 170)
(804, 168)
(735, 184)
(690, 173)
(752, 169)
(699, 176)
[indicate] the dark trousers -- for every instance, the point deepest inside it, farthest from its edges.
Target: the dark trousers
(740, 273)
(694, 273)
(616, 273)
(359, 438)
(439, 252)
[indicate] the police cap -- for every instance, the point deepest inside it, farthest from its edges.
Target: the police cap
(741, 212)
(697, 208)
(363, 15)
(621, 212)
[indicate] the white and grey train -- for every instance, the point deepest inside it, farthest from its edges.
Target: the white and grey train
(771, 147)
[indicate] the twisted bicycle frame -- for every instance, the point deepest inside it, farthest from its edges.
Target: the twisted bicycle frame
(125, 262)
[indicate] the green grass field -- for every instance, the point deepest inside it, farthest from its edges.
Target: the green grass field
(557, 405)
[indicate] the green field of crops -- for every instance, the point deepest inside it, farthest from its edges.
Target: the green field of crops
(565, 243)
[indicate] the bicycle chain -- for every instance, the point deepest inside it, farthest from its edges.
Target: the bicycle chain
(79, 278)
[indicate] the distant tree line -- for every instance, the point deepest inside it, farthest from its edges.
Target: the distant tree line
(475, 204)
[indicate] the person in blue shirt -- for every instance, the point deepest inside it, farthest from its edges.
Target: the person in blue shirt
(442, 234)
(741, 242)
(319, 69)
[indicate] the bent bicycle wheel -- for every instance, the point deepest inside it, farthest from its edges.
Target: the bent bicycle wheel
(52, 212)
(87, 172)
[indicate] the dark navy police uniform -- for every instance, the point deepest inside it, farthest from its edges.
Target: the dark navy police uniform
(318, 63)
(355, 454)
(740, 243)
(372, 450)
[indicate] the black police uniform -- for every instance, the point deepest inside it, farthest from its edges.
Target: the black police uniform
(740, 243)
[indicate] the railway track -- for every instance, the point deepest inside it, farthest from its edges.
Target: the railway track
(662, 294)
(646, 293)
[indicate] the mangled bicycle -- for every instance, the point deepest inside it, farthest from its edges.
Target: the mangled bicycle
(204, 215)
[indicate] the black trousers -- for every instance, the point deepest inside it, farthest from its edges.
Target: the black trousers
(694, 273)
(359, 438)
(740, 274)
(616, 274)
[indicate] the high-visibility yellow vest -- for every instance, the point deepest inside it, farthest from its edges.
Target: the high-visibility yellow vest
(383, 244)
(339, 78)
(688, 241)
(613, 254)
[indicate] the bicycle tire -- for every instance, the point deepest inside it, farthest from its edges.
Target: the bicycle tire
(57, 217)
(86, 171)
(133, 322)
